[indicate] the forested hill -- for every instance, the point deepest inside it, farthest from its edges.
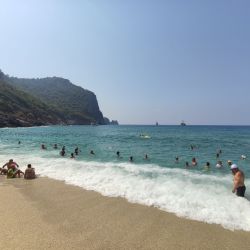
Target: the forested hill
(73, 104)
(19, 109)
(61, 101)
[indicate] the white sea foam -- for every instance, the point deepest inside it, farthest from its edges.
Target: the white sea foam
(193, 195)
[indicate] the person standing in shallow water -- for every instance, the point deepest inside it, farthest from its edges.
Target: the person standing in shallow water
(238, 181)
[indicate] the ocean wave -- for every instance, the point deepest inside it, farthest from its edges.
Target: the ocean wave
(188, 194)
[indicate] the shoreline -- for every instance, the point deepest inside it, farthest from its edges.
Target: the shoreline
(49, 214)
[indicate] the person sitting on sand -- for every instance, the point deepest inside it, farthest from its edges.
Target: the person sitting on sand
(194, 162)
(238, 182)
(13, 170)
(29, 173)
(9, 164)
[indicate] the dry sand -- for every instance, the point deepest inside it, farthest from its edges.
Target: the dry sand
(48, 214)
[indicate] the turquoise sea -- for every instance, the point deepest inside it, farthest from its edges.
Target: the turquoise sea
(194, 192)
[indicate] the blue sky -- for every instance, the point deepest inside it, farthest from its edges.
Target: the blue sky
(146, 61)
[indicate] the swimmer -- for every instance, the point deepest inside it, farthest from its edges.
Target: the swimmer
(194, 162)
(192, 147)
(55, 146)
(63, 148)
(72, 156)
(118, 154)
(243, 157)
(76, 151)
(217, 155)
(229, 163)
(146, 157)
(238, 182)
(43, 146)
(92, 152)
(219, 164)
(207, 166)
(187, 164)
(62, 153)
(131, 159)
(177, 159)
(220, 151)
(19, 142)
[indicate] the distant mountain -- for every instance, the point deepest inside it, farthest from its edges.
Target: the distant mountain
(51, 100)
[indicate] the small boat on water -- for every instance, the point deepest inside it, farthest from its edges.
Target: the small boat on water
(183, 123)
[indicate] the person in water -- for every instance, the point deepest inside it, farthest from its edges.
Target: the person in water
(62, 153)
(76, 151)
(177, 159)
(187, 164)
(229, 163)
(92, 152)
(219, 164)
(118, 154)
(238, 181)
(207, 166)
(146, 157)
(131, 159)
(43, 146)
(194, 162)
(29, 173)
(55, 146)
(72, 156)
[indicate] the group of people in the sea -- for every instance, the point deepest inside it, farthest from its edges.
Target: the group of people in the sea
(239, 178)
(12, 170)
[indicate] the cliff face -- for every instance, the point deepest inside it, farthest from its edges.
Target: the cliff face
(71, 104)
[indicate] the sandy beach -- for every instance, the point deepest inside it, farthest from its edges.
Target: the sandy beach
(48, 214)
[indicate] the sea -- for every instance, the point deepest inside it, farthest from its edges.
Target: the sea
(195, 193)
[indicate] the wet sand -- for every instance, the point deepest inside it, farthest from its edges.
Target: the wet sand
(48, 214)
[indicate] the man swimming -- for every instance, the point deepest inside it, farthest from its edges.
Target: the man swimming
(238, 181)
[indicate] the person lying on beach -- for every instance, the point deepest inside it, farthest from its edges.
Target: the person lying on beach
(29, 173)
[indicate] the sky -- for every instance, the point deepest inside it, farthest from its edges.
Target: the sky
(146, 61)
